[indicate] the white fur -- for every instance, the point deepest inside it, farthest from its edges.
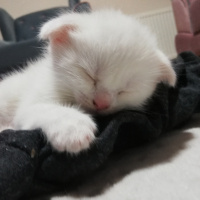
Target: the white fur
(89, 55)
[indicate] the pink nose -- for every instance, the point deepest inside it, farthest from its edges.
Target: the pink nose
(101, 101)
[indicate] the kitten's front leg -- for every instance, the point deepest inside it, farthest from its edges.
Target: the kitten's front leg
(66, 128)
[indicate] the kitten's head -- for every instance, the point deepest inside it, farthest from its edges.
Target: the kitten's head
(105, 60)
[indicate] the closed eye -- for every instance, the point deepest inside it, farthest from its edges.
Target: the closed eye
(121, 92)
(125, 91)
(89, 76)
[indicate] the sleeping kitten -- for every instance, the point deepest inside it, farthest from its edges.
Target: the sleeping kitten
(95, 62)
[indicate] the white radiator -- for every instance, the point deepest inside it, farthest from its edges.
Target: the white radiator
(162, 24)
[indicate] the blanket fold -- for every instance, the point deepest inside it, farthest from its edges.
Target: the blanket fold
(29, 166)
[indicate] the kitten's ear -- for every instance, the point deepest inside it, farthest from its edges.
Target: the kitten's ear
(167, 74)
(57, 32)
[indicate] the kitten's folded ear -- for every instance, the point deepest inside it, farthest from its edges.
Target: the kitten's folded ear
(57, 31)
(167, 74)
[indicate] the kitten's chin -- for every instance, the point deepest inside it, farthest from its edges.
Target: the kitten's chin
(98, 112)
(112, 110)
(102, 112)
(93, 111)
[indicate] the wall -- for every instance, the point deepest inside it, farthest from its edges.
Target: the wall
(20, 7)
(132, 6)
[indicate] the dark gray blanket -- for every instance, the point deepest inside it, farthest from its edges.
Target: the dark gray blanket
(29, 167)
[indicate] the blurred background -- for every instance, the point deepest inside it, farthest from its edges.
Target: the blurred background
(20, 7)
(157, 14)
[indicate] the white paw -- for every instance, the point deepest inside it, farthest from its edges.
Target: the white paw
(67, 129)
(72, 135)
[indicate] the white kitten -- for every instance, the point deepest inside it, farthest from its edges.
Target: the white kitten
(102, 61)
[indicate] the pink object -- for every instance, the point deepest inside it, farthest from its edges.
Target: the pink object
(187, 18)
(102, 101)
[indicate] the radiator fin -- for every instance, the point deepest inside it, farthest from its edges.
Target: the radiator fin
(162, 24)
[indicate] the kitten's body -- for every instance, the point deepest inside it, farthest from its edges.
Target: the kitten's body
(103, 61)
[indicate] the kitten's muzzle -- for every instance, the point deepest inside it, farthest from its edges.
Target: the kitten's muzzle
(102, 101)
